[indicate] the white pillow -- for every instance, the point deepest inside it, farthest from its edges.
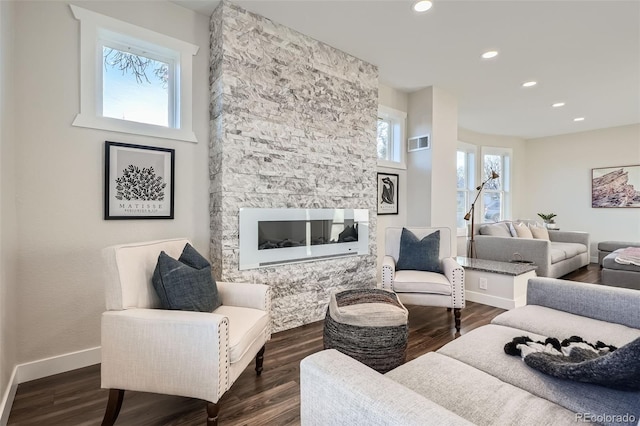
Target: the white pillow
(522, 230)
(539, 232)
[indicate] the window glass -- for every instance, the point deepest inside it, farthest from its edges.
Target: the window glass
(495, 197)
(384, 139)
(135, 88)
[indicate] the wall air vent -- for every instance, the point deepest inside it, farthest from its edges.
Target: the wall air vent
(418, 143)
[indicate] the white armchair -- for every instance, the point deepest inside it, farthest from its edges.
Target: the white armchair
(191, 354)
(420, 287)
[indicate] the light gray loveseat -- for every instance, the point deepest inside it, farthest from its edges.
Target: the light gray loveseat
(564, 252)
(472, 381)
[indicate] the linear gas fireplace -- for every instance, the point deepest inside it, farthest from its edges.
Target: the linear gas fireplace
(275, 236)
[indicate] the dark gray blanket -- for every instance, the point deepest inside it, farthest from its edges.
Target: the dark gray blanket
(574, 359)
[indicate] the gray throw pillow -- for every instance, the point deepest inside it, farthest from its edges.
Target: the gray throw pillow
(185, 284)
(419, 255)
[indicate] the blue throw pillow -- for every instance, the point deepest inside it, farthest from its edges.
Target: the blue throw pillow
(419, 255)
(185, 284)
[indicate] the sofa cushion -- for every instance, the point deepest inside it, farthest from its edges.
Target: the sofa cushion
(475, 395)
(186, 283)
(522, 230)
(609, 262)
(495, 230)
(570, 249)
(557, 255)
(488, 355)
(553, 323)
(246, 325)
(419, 255)
(421, 282)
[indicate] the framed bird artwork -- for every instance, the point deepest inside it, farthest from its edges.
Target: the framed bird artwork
(387, 193)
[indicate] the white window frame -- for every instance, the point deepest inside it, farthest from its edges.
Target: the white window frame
(95, 30)
(398, 121)
(505, 177)
(471, 152)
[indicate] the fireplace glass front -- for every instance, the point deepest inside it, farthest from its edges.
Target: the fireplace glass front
(274, 236)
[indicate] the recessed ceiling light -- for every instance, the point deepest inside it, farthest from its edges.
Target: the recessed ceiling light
(558, 104)
(422, 5)
(490, 54)
(529, 84)
(578, 119)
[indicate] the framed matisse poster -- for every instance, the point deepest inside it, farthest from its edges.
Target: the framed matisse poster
(615, 186)
(387, 193)
(138, 182)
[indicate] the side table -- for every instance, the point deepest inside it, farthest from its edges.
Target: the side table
(499, 284)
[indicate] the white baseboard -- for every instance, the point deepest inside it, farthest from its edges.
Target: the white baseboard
(57, 364)
(7, 398)
(498, 302)
(43, 368)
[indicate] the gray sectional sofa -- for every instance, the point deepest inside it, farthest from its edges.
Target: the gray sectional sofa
(472, 381)
(564, 252)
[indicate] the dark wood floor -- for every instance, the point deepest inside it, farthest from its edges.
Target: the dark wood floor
(75, 398)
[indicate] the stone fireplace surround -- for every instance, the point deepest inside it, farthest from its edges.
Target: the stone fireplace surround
(293, 125)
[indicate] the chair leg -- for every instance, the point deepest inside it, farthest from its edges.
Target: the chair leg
(212, 413)
(456, 315)
(113, 407)
(259, 361)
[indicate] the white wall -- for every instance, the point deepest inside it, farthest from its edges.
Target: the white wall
(432, 172)
(60, 174)
(398, 100)
(558, 180)
(444, 143)
(419, 162)
(8, 220)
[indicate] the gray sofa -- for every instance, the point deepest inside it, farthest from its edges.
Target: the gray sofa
(619, 275)
(472, 381)
(605, 248)
(564, 252)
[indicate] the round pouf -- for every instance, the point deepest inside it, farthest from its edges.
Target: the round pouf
(369, 325)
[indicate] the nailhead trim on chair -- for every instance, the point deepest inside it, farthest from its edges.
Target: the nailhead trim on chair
(387, 277)
(458, 277)
(223, 379)
(267, 307)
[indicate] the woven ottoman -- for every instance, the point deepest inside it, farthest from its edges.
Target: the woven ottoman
(369, 325)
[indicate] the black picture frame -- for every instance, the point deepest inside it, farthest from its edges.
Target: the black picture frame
(388, 184)
(139, 181)
(611, 187)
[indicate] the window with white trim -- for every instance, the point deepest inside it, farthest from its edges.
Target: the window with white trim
(133, 80)
(496, 196)
(466, 178)
(391, 137)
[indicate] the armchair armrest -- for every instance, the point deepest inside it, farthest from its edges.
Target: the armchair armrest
(455, 274)
(388, 272)
(257, 296)
(336, 389)
(162, 351)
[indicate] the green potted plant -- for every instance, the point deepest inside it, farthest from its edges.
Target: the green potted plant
(548, 219)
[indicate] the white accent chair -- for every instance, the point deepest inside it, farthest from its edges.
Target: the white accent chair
(191, 354)
(420, 287)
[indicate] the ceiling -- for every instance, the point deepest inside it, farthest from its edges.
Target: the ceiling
(583, 53)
